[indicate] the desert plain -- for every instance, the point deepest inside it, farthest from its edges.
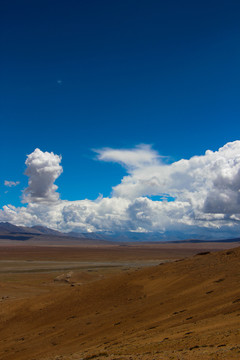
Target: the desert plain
(78, 300)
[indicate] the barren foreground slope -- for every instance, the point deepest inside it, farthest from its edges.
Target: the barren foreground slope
(186, 309)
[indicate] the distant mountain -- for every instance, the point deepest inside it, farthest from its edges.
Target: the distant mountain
(47, 231)
(6, 227)
(128, 236)
(10, 230)
(92, 235)
(119, 236)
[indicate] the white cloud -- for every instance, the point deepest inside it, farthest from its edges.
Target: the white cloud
(139, 157)
(205, 188)
(43, 168)
(11, 183)
(210, 183)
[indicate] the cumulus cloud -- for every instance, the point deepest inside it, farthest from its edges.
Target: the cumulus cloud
(209, 183)
(11, 183)
(43, 168)
(205, 190)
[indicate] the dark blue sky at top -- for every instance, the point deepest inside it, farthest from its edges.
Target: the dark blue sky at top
(78, 75)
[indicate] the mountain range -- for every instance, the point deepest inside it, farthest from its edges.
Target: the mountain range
(10, 231)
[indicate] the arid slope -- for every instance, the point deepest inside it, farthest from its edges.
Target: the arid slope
(187, 309)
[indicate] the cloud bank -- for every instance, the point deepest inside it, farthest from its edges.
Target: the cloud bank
(204, 193)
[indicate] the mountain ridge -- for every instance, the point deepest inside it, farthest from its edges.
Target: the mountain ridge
(9, 229)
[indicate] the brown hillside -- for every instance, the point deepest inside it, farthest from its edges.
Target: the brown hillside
(187, 309)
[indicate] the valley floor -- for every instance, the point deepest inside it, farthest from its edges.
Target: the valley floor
(119, 302)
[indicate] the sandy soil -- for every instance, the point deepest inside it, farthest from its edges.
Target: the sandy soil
(77, 250)
(66, 303)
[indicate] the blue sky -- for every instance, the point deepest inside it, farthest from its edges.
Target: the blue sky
(83, 75)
